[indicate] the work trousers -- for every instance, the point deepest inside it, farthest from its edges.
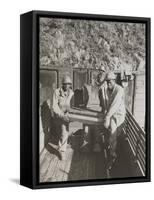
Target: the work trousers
(110, 136)
(114, 132)
(113, 137)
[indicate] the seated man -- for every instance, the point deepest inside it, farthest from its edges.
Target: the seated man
(114, 114)
(61, 104)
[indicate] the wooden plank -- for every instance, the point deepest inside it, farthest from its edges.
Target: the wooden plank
(42, 155)
(132, 136)
(139, 95)
(133, 151)
(135, 131)
(87, 168)
(75, 165)
(141, 169)
(140, 151)
(68, 164)
(141, 159)
(139, 110)
(51, 169)
(131, 124)
(140, 91)
(135, 122)
(83, 175)
(60, 173)
(45, 162)
(101, 164)
(142, 164)
(132, 144)
(85, 119)
(132, 133)
(142, 135)
(91, 168)
(86, 112)
(124, 130)
(142, 144)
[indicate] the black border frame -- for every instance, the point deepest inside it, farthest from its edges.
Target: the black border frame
(29, 100)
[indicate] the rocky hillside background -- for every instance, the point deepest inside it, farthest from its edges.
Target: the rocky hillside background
(91, 44)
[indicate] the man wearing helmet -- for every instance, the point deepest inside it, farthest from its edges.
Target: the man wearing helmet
(61, 104)
(115, 111)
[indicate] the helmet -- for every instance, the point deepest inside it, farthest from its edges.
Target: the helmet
(110, 76)
(66, 80)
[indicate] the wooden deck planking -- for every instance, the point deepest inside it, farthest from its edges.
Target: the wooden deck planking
(77, 166)
(44, 163)
(100, 166)
(68, 164)
(51, 168)
(85, 166)
(60, 173)
(91, 170)
(81, 165)
(42, 155)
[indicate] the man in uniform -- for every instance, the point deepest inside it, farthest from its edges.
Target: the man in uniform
(115, 112)
(61, 104)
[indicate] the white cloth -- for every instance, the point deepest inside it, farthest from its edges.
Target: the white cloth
(114, 103)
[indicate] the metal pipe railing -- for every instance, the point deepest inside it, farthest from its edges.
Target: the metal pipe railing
(136, 138)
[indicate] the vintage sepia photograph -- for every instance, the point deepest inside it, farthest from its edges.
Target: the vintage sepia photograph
(92, 99)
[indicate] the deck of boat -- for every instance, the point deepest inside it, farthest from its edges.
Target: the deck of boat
(76, 166)
(84, 165)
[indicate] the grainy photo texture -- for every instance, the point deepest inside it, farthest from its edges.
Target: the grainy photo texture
(92, 100)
